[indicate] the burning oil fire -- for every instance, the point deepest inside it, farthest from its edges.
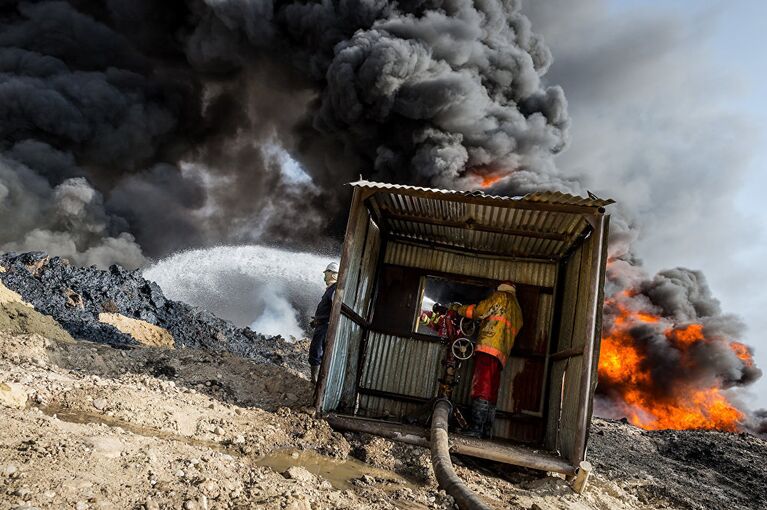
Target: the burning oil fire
(486, 176)
(630, 378)
(489, 180)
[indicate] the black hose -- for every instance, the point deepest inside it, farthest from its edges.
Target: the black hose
(440, 459)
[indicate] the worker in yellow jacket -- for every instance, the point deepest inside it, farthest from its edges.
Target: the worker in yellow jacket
(501, 319)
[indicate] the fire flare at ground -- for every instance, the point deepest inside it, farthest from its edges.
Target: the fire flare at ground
(663, 373)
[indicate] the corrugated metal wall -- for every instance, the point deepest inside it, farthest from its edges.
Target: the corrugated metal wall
(348, 334)
(360, 279)
(411, 367)
(405, 366)
(541, 274)
(408, 210)
(566, 374)
(503, 241)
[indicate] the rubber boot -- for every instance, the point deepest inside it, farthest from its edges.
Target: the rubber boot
(479, 410)
(315, 372)
(487, 430)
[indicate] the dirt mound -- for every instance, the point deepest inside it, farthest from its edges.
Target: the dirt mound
(141, 331)
(19, 317)
(77, 296)
(8, 296)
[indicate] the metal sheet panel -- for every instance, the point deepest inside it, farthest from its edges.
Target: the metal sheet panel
(585, 287)
(571, 403)
(523, 431)
(543, 323)
(356, 257)
(347, 333)
(554, 408)
(551, 197)
(572, 274)
(367, 271)
(401, 365)
(532, 273)
(373, 406)
(502, 244)
(521, 386)
(496, 225)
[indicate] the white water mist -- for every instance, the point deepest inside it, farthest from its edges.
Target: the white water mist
(271, 290)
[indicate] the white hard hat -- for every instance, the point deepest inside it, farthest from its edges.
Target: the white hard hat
(332, 267)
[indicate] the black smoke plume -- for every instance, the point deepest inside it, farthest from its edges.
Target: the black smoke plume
(168, 119)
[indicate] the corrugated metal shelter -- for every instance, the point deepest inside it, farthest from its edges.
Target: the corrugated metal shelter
(379, 370)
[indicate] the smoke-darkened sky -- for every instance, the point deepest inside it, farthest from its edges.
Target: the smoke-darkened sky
(669, 118)
(131, 130)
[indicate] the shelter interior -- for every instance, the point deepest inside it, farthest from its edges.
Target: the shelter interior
(407, 247)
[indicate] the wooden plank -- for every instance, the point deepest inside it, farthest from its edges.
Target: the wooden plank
(500, 451)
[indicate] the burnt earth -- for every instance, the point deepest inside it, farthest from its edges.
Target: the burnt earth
(75, 296)
(686, 469)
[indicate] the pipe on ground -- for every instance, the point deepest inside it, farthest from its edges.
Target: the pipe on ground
(440, 459)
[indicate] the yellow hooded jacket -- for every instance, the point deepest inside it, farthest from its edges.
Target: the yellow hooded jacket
(501, 321)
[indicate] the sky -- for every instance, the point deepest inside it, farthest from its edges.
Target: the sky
(669, 117)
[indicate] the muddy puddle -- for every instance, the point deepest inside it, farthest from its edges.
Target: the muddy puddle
(340, 473)
(83, 417)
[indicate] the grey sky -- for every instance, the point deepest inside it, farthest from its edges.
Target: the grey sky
(669, 118)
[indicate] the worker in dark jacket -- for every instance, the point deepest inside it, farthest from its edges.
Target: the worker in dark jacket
(321, 319)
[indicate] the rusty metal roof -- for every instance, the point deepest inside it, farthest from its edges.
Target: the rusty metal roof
(542, 225)
(550, 197)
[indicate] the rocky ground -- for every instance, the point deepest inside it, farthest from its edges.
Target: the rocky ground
(88, 425)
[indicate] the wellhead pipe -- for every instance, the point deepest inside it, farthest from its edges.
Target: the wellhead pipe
(440, 459)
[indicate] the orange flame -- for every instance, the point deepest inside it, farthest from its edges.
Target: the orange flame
(687, 335)
(743, 352)
(625, 370)
(489, 180)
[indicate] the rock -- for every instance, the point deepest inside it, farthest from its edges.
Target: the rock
(13, 395)
(108, 447)
(10, 471)
(100, 403)
(24, 493)
(151, 505)
(190, 505)
(300, 474)
(141, 331)
(81, 505)
(218, 431)
(299, 504)
(74, 300)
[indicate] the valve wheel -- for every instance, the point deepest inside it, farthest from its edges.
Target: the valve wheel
(462, 348)
(467, 326)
